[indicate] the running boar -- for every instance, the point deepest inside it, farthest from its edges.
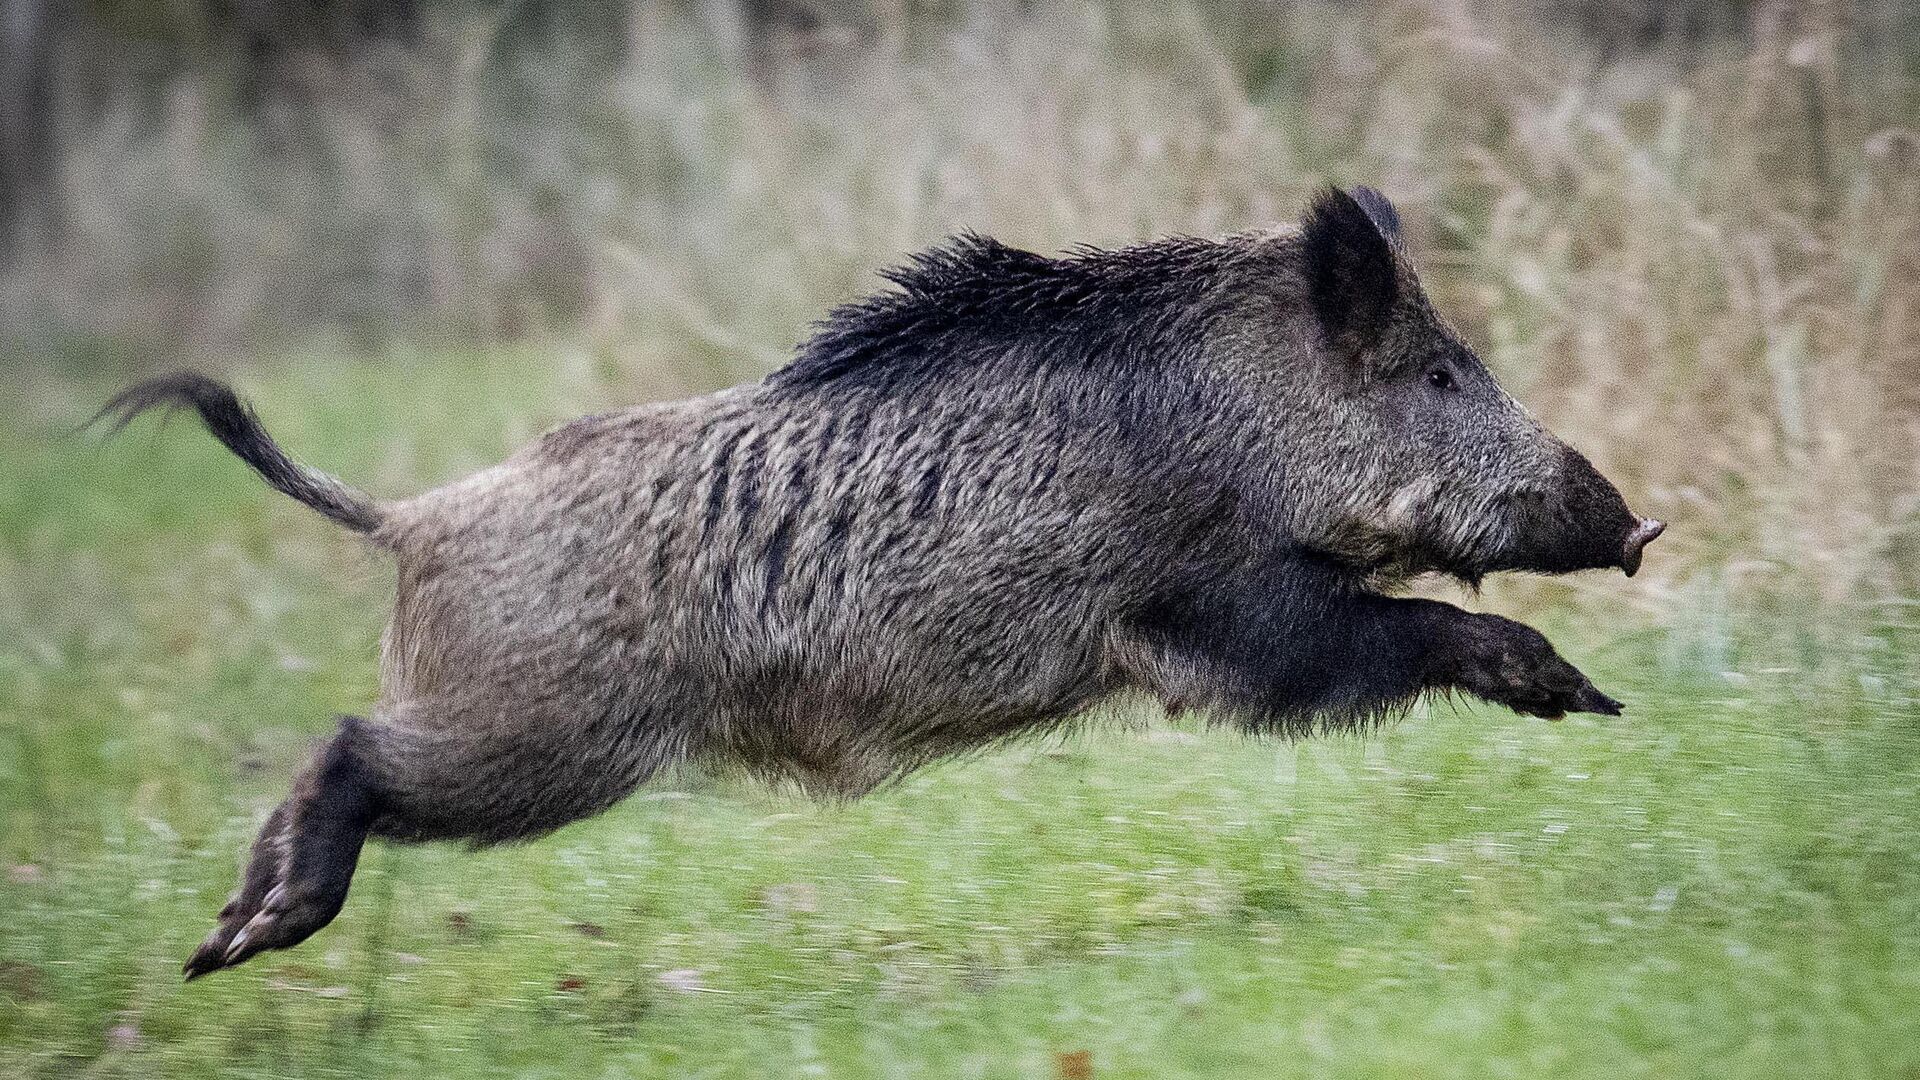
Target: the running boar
(973, 507)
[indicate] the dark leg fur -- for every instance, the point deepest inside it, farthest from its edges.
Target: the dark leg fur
(1512, 664)
(302, 862)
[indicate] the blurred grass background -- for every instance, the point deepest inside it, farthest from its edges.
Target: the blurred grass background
(1686, 234)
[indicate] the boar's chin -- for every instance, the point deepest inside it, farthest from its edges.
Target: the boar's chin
(1391, 556)
(1409, 564)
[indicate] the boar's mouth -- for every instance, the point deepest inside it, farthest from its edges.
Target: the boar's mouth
(1564, 543)
(1430, 528)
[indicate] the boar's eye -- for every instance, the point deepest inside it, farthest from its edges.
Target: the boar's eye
(1440, 379)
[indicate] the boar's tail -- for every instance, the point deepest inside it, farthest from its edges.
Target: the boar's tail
(239, 430)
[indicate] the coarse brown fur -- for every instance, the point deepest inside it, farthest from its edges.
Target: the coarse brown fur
(973, 507)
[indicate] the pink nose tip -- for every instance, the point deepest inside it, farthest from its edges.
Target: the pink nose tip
(1643, 534)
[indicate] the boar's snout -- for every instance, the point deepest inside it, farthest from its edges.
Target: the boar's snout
(1644, 533)
(1581, 523)
(1611, 534)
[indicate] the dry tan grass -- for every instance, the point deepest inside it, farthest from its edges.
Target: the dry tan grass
(1702, 263)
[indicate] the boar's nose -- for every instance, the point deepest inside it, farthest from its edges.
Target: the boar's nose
(1637, 541)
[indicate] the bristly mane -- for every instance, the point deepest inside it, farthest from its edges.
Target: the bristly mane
(974, 299)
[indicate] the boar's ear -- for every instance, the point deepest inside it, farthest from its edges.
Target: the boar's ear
(1380, 212)
(1351, 274)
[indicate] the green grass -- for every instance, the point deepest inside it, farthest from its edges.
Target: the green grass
(1724, 883)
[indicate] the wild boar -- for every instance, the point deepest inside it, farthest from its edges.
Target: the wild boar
(974, 506)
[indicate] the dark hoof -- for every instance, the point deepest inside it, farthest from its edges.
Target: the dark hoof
(285, 917)
(1588, 699)
(302, 863)
(1513, 665)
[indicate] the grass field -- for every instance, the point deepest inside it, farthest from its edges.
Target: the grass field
(1722, 883)
(1694, 258)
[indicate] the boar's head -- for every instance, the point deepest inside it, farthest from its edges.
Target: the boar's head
(1399, 452)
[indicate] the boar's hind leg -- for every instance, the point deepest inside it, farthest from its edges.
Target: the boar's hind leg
(484, 780)
(482, 783)
(302, 862)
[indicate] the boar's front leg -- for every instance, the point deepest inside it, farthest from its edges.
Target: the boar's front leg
(1302, 645)
(1510, 664)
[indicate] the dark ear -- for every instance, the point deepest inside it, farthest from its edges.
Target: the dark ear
(1351, 273)
(1381, 212)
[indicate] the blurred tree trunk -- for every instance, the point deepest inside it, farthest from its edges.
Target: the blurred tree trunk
(28, 41)
(272, 31)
